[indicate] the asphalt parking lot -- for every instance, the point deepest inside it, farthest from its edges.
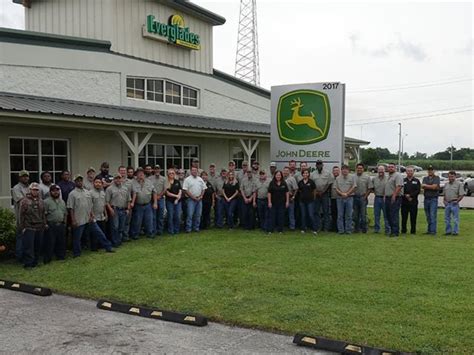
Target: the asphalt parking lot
(65, 325)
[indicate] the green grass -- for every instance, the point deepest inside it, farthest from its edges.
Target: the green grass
(412, 293)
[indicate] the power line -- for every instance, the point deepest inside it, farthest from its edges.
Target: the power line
(409, 118)
(406, 87)
(410, 114)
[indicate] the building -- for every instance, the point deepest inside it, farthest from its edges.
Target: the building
(128, 82)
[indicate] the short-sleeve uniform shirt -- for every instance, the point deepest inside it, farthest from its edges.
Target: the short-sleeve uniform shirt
(80, 202)
(379, 185)
(143, 190)
(158, 182)
(55, 210)
(453, 190)
(117, 196)
(364, 184)
(431, 180)
(262, 188)
(248, 186)
(322, 180)
(344, 184)
(393, 180)
(195, 186)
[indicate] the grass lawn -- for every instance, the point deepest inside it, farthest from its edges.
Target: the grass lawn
(412, 293)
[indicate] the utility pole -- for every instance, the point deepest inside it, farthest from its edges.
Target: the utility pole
(399, 145)
(452, 156)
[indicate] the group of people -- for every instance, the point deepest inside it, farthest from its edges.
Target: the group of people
(104, 210)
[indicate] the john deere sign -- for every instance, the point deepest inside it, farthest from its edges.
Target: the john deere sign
(308, 123)
(174, 32)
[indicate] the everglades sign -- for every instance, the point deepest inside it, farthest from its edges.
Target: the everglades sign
(308, 122)
(175, 32)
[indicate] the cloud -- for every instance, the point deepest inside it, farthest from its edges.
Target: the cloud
(402, 46)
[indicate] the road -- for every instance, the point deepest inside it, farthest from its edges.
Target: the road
(66, 325)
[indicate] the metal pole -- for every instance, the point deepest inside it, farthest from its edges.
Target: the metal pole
(399, 145)
(451, 155)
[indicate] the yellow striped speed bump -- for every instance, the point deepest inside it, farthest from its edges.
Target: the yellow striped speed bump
(17, 286)
(341, 346)
(152, 313)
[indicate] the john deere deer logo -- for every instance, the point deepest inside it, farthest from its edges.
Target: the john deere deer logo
(303, 117)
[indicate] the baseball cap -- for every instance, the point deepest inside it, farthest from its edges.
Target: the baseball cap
(319, 161)
(231, 162)
(23, 173)
(212, 165)
(157, 166)
(78, 176)
(261, 172)
(54, 187)
(34, 186)
(90, 169)
(195, 160)
(430, 167)
(117, 176)
(256, 162)
(273, 163)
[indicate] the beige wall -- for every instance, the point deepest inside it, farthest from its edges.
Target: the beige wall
(121, 21)
(92, 147)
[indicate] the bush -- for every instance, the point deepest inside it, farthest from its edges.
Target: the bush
(7, 230)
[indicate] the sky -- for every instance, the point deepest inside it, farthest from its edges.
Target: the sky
(401, 62)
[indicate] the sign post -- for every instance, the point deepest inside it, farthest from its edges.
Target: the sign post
(307, 123)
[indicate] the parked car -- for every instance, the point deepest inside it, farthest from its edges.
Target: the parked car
(401, 168)
(417, 168)
(469, 186)
(373, 168)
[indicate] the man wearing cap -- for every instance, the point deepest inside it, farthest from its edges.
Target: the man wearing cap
(393, 199)
(242, 173)
(247, 189)
(411, 190)
(158, 182)
(345, 185)
(117, 198)
(361, 193)
(45, 185)
(273, 169)
(292, 189)
(322, 179)
(195, 164)
(32, 224)
(261, 200)
(379, 182)
(194, 188)
(89, 180)
(212, 176)
(18, 192)
(431, 185)
(220, 206)
(143, 204)
(104, 175)
(79, 204)
(255, 169)
(56, 216)
(453, 194)
(65, 184)
(98, 210)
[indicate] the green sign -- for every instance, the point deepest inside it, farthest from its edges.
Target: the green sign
(175, 31)
(303, 117)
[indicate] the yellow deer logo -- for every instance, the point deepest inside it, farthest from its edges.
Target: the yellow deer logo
(297, 119)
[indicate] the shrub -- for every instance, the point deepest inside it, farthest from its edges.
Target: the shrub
(7, 230)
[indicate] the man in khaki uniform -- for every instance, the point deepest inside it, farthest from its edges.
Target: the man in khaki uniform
(158, 182)
(118, 201)
(247, 189)
(56, 216)
(89, 180)
(261, 199)
(322, 179)
(218, 188)
(345, 186)
(18, 192)
(143, 204)
(453, 194)
(393, 199)
(378, 183)
(292, 189)
(364, 186)
(98, 210)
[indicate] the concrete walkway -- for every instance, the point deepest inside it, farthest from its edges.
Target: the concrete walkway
(60, 324)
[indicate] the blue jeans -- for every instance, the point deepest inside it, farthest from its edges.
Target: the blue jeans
(291, 215)
(321, 205)
(360, 213)
(431, 211)
(96, 233)
(452, 208)
(174, 216)
(344, 215)
(220, 211)
(262, 213)
(229, 208)
(32, 244)
(277, 213)
(248, 215)
(159, 217)
(119, 220)
(54, 242)
(142, 214)
(193, 216)
(379, 207)
(307, 215)
(393, 214)
(19, 245)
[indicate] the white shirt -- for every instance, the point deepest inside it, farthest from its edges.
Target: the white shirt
(194, 185)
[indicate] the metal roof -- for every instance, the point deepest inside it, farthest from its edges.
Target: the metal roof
(61, 107)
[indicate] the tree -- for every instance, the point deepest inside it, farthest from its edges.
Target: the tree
(369, 156)
(419, 155)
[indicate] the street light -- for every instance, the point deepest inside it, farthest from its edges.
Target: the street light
(403, 140)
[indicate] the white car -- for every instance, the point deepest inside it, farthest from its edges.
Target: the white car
(469, 186)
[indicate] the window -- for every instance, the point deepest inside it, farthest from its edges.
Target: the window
(154, 90)
(239, 156)
(160, 90)
(189, 97)
(173, 93)
(136, 88)
(167, 155)
(38, 155)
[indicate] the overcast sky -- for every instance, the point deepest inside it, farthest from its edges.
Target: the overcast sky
(399, 60)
